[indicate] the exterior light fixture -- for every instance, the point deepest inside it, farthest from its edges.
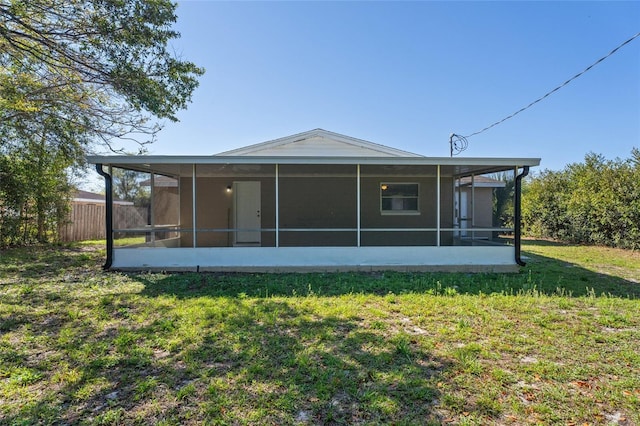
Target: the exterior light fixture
(228, 189)
(384, 187)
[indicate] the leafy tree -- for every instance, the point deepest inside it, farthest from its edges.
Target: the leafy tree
(76, 76)
(129, 185)
(544, 205)
(33, 195)
(103, 66)
(594, 202)
(503, 200)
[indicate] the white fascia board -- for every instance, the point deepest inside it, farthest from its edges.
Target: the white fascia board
(147, 160)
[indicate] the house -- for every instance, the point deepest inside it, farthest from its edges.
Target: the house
(473, 203)
(85, 197)
(314, 201)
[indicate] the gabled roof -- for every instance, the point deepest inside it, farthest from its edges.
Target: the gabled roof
(313, 147)
(318, 143)
(87, 197)
(160, 181)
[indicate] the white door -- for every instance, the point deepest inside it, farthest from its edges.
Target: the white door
(246, 196)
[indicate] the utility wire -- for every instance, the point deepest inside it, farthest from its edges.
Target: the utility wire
(557, 88)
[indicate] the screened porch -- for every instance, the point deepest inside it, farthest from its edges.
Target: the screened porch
(213, 213)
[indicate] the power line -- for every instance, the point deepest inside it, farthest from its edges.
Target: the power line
(557, 88)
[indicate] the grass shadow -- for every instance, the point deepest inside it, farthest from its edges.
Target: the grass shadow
(591, 270)
(271, 349)
(542, 275)
(220, 361)
(47, 261)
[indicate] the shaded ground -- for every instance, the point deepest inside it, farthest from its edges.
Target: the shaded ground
(558, 343)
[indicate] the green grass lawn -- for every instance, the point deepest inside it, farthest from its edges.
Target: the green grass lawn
(558, 343)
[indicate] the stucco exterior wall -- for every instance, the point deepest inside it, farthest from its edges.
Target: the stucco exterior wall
(484, 207)
(372, 217)
(482, 214)
(166, 210)
(310, 199)
(318, 202)
(214, 210)
(166, 202)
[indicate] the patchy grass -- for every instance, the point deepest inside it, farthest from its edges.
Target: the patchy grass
(558, 343)
(609, 263)
(123, 241)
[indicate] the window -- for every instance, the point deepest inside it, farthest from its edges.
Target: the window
(399, 198)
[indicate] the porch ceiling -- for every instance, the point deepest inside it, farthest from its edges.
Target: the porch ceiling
(230, 165)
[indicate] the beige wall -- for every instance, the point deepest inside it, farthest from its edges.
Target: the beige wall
(372, 217)
(483, 213)
(484, 207)
(166, 205)
(317, 202)
(214, 210)
(166, 210)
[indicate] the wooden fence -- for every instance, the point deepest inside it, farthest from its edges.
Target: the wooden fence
(87, 221)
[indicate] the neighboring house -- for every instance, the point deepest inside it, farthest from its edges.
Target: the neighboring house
(474, 197)
(86, 197)
(315, 201)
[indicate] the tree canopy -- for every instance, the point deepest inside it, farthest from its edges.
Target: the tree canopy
(94, 70)
(78, 76)
(594, 202)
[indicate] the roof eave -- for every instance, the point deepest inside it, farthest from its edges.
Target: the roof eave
(215, 159)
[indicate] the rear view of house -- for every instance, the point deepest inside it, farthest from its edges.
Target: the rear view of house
(318, 201)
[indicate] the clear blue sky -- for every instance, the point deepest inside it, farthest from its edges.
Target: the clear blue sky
(407, 74)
